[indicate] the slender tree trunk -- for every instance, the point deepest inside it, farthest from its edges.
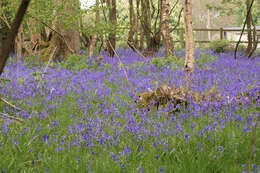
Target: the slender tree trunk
(146, 23)
(1, 41)
(189, 60)
(208, 25)
(111, 44)
(9, 41)
(249, 24)
(94, 37)
(19, 43)
(164, 26)
(140, 32)
(132, 25)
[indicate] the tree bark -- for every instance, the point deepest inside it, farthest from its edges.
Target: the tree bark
(146, 23)
(93, 39)
(189, 59)
(164, 27)
(9, 41)
(111, 43)
(132, 30)
(249, 24)
(19, 42)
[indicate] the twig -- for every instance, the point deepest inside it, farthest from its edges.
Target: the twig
(178, 22)
(173, 7)
(5, 21)
(135, 49)
(10, 104)
(49, 61)
(248, 13)
(3, 115)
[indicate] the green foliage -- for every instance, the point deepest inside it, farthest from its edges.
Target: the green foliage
(205, 58)
(163, 62)
(76, 63)
(218, 46)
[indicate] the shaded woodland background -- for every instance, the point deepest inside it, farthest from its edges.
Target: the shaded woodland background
(57, 29)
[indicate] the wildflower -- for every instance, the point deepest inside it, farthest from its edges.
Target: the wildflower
(45, 138)
(140, 169)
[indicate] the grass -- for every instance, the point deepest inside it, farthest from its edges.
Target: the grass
(87, 120)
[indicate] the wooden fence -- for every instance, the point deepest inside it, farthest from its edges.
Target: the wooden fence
(220, 30)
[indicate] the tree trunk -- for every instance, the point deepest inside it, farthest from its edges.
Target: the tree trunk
(208, 25)
(132, 25)
(93, 39)
(111, 43)
(19, 43)
(189, 59)
(1, 41)
(9, 41)
(249, 24)
(164, 27)
(139, 42)
(146, 23)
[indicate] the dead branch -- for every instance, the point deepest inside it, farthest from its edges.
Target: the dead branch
(3, 115)
(10, 104)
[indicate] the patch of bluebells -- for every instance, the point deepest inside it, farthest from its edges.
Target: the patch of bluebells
(101, 113)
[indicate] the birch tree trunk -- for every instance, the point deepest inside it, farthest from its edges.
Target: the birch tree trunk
(189, 59)
(168, 43)
(94, 37)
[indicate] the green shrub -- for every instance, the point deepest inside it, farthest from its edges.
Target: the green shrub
(219, 46)
(161, 62)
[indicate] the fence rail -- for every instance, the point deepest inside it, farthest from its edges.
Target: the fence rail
(220, 30)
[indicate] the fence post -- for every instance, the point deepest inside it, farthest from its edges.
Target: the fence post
(182, 37)
(221, 33)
